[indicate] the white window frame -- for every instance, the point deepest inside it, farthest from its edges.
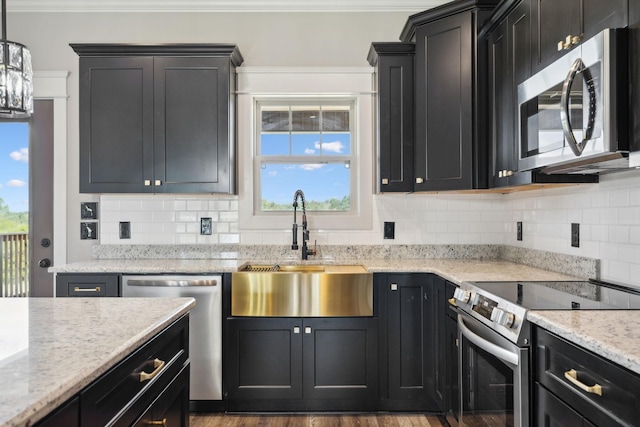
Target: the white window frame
(352, 157)
(326, 83)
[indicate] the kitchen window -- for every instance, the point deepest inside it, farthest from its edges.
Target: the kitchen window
(305, 144)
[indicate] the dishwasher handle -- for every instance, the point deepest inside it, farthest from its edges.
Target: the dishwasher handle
(172, 283)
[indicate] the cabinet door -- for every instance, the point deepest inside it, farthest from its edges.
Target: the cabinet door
(444, 112)
(116, 124)
(395, 120)
(501, 107)
(452, 405)
(191, 125)
(555, 20)
(264, 358)
(410, 337)
(340, 358)
(509, 65)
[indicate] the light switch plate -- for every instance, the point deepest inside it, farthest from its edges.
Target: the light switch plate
(89, 210)
(389, 230)
(88, 230)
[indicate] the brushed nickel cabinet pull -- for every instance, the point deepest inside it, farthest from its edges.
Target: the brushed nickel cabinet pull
(158, 365)
(79, 289)
(147, 182)
(572, 376)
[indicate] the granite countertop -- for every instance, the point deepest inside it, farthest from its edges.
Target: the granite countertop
(51, 348)
(612, 334)
(454, 270)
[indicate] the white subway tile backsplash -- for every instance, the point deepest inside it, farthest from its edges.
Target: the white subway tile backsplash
(608, 212)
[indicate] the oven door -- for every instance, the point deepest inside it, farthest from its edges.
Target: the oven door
(493, 377)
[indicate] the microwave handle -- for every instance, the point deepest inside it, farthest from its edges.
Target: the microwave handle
(565, 114)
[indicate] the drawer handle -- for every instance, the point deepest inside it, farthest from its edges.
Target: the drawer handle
(162, 423)
(572, 376)
(452, 301)
(158, 365)
(79, 289)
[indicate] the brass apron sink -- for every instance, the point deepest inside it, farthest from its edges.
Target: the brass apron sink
(305, 290)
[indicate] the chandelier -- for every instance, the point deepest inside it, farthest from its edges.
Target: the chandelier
(16, 75)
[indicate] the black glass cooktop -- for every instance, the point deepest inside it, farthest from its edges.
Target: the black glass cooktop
(576, 295)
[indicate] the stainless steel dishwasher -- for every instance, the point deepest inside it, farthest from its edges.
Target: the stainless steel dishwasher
(205, 325)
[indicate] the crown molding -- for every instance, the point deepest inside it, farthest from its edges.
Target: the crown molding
(411, 6)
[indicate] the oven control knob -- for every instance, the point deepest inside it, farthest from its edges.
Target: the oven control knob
(502, 317)
(462, 295)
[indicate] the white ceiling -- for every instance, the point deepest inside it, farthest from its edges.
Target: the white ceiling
(221, 5)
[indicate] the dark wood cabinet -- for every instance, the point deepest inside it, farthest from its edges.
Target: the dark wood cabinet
(394, 120)
(301, 363)
(157, 119)
(445, 365)
(407, 334)
(171, 407)
(554, 21)
(551, 411)
(634, 82)
(510, 61)
(509, 52)
(617, 403)
(151, 384)
(451, 89)
(87, 285)
(67, 415)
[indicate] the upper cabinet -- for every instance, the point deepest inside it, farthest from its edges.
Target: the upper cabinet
(450, 93)
(559, 25)
(157, 119)
(393, 84)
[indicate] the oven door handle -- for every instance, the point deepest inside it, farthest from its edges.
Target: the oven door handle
(495, 350)
(565, 110)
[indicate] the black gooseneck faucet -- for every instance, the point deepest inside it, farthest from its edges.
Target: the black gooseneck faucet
(305, 232)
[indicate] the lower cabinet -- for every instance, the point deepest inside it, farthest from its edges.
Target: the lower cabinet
(576, 387)
(407, 341)
(148, 387)
(445, 365)
(276, 364)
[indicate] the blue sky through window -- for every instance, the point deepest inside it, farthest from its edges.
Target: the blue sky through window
(14, 165)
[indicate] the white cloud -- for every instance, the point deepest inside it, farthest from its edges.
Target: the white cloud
(273, 173)
(16, 183)
(309, 151)
(21, 155)
(335, 147)
(311, 167)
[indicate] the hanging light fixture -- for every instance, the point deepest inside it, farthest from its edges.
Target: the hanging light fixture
(16, 75)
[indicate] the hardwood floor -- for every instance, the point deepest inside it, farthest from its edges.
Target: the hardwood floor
(316, 420)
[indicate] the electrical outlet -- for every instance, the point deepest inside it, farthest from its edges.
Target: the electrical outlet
(575, 235)
(389, 230)
(206, 226)
(125, 230)
(519, 230)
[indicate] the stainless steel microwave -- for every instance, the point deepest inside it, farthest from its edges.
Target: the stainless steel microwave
(573, 115)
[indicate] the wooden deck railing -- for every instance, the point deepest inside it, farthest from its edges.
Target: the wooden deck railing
(14, 265)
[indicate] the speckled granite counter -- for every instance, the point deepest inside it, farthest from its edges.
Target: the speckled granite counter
(51, 348)
(455, 270)
(614, 335)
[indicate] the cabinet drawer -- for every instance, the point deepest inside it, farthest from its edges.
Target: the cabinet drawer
(123, 393)
(80, 285)
(171, 408)
(619, 402)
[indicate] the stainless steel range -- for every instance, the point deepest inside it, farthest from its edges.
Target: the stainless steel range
(494, 340)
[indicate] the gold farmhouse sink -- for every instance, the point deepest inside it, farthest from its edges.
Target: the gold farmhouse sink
(304, 290)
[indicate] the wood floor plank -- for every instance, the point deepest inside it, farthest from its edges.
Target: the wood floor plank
(316, 420)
